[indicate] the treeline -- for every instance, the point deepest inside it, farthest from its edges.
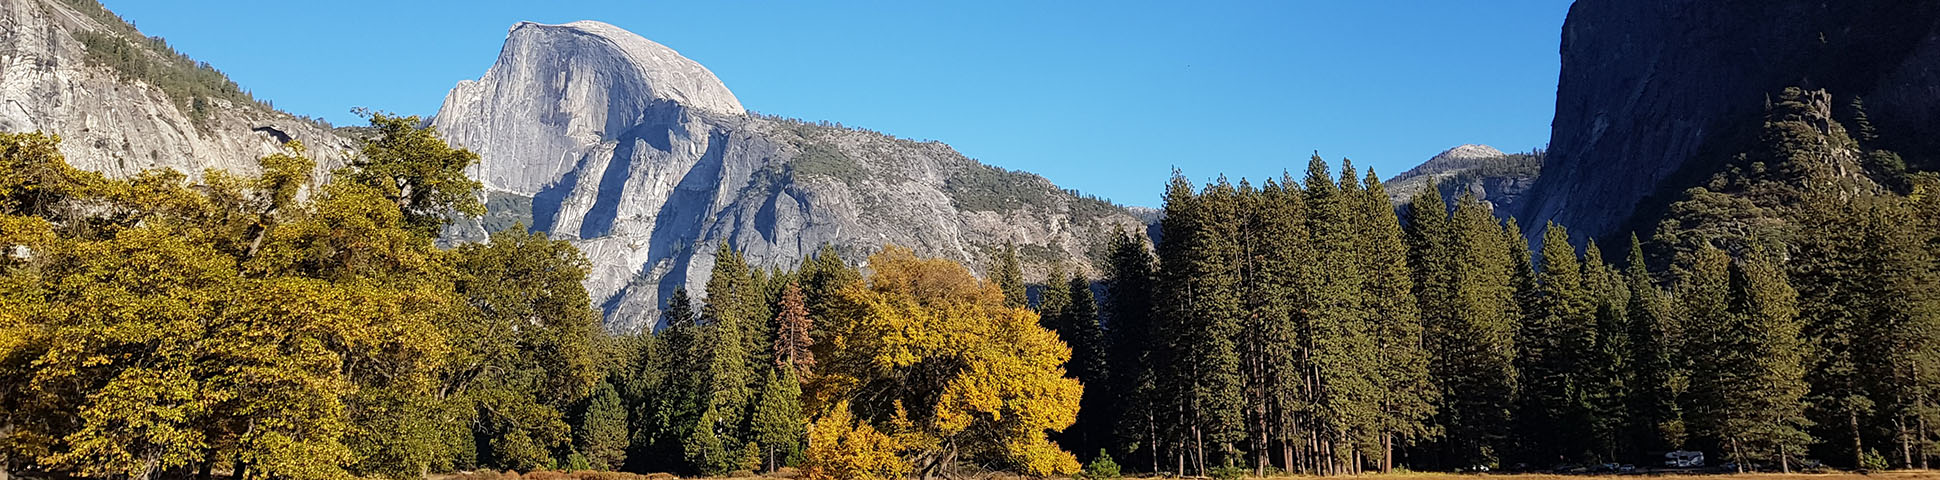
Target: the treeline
(1793, 316)
(269, 327)
(284, 326)
(279, 326)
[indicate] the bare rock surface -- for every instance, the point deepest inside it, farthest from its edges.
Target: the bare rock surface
(1655, 95)
(648, 163)
(118, 125)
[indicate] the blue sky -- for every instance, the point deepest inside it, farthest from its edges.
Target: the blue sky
(1104, 97)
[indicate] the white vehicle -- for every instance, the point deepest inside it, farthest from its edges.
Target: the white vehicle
(1684, 459)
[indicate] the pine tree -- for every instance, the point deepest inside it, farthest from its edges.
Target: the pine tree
(1054, 300)
(1010, 276)
(1477, 347)
(1080, 330)
(729, 354)
(822, 276)
(1901, 329)
(1768, 414)
(778, 422)
(1663, 376)
(1277, 256)
(792, 327)
(1612, 375)
(1200, 310)
(601, 434)
(1555, 338)
(1129, 332)
(1340, 336)
(1408, 395)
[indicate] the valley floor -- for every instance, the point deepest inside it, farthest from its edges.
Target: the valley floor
(1894, 475)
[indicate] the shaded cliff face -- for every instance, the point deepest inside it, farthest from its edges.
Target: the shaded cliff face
(648, 163)
(1499, 179)
(1654, 93)
(118, 123)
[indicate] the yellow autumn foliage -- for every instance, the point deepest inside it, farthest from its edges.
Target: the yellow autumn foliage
(931, 353)
(841, 448)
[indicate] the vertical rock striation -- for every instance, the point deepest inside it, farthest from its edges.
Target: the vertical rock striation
(647, 162)
(1651, 91)
(116, 122)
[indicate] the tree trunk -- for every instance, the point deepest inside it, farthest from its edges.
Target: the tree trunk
(1858, 448)
(1925, 440)
(1198, 449)
(1784, 461)
(1737, 455)
(1152, 439)
(1906, 443)
(1387, 453)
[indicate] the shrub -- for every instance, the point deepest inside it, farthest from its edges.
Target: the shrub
(1101, 468)
(841, 448)
(1872, 461)
(1229, 472)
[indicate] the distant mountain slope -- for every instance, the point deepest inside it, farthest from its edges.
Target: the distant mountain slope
(123, 102)
(1501, 179)
(1656, 95)
(648, 163)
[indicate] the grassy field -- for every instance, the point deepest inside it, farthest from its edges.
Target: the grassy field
(1908, 475)
(789, 474)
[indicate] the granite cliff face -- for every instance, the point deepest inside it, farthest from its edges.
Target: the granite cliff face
(1654, 94)
(1499, 179)
(647, 162)
(56, 76)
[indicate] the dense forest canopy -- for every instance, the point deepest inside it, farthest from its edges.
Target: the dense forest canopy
(288, 326)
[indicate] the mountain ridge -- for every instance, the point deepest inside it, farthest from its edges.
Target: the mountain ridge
(648, 179)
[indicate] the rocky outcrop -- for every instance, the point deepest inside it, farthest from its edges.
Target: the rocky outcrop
(647, 162)
(1497, 178)
(117, 122)
(1655, 94)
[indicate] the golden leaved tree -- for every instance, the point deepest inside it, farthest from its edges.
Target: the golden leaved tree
(929, 354)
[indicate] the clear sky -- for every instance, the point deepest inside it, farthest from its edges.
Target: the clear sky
(1104, 97)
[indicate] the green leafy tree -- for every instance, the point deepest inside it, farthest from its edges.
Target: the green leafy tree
(424, 176)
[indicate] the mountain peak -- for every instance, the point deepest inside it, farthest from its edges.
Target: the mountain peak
(1469, 152)
(604, 49)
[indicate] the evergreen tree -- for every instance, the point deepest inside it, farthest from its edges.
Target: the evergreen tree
(1054, 300)
(730, 356)
(1612, 374)
(792, 327)
(1277, 259)
(1079, 329)
(1010, 276)
(821, 277)
(1477, 347)
(1340, 335)
(1765, 399)
(1901, 329)
(601, 434)
(1130, 288)
(1407, 393)
(778, 421)
(1198, 283)
(1661, 368)
(1554, 341)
